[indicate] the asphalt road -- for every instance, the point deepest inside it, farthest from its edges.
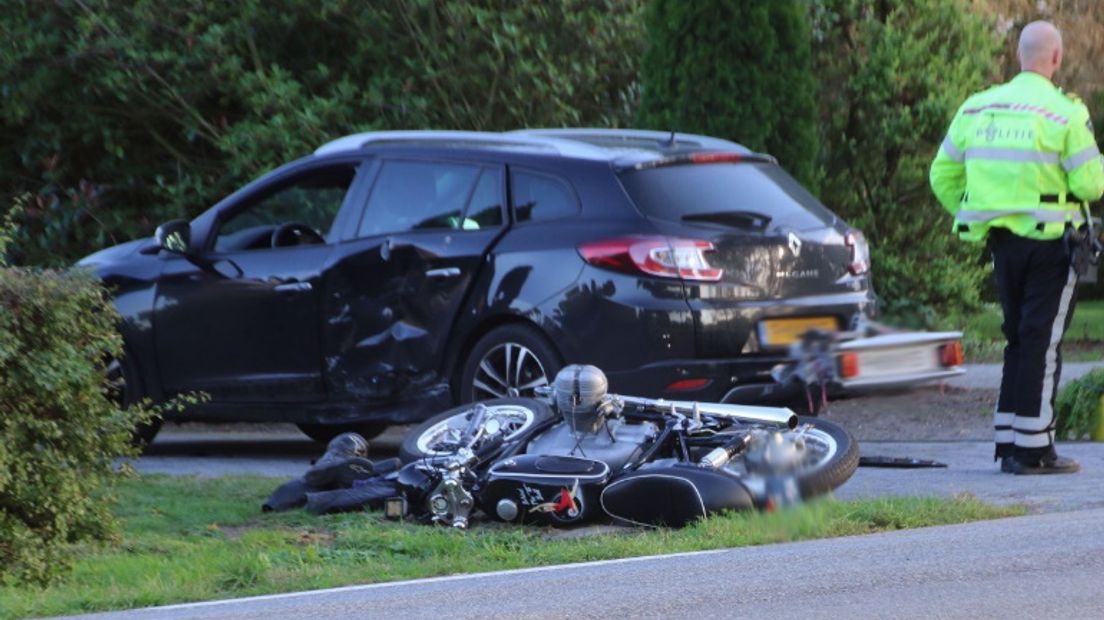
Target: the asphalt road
(988, 376)
(971, 470)
(1039, 566)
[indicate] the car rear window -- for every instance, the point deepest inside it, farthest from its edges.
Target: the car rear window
(697, 190)
(541, 197)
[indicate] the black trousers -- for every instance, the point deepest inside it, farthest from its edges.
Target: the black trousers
(1035, 282)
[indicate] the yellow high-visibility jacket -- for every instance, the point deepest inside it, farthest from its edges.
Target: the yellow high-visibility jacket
(1020, 156)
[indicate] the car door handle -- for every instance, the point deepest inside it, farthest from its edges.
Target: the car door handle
(293, 287)
(447, 272)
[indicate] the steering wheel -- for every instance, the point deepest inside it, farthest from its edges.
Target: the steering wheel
(293, 233)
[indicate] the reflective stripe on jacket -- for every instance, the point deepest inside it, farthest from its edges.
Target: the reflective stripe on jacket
(1020, 156)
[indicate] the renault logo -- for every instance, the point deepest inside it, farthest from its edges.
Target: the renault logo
(795, 244)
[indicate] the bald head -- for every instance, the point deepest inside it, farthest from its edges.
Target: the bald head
(1040, 48)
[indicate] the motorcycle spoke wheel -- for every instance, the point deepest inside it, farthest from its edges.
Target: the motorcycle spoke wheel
(512, 420)
(820, 448)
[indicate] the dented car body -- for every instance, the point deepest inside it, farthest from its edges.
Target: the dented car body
(389, 275)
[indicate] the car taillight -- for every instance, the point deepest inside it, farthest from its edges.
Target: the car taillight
(717, 158)
(951, 354)
(656, 256)
(860, 253)
(688, 384)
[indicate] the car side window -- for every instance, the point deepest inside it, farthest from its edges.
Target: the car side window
(299, 212)
(485, 207)
(416, 195)
(541, 197)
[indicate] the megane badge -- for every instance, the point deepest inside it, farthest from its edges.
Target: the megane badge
(795, 244)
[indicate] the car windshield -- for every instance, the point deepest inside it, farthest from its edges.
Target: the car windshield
(738, 194)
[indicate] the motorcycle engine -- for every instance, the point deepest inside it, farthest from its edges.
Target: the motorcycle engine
(579, 393)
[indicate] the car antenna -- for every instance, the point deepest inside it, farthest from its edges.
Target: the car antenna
(669, 142)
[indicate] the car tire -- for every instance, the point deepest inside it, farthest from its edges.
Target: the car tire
(510, 361)
(325, 432)
(125, 388)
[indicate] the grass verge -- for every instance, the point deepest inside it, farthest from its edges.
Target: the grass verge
(1083, 342)
(188, 539)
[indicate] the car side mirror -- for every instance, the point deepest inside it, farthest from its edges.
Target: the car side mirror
(174, 236)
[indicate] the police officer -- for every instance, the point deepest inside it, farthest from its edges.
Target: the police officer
(1017, 161)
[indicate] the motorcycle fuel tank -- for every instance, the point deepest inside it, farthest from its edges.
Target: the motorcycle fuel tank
(555, 490)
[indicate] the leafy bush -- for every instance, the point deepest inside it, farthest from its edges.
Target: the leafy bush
(60, 432)
(737, 70)
(1077, 405)
(119, 115)
(892, 75)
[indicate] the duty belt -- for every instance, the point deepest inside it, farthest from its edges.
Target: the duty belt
(1041, 216)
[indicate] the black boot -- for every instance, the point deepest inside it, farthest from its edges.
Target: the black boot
(344, 461)
(1048, 464)
(339, 474)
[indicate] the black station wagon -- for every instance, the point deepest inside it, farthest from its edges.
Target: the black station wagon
(390, 275)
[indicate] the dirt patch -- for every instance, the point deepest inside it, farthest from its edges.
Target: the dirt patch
(921, 414)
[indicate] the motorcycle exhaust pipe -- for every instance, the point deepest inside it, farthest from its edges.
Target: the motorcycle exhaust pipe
(781, 416)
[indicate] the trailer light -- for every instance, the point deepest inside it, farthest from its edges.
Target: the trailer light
(849, 365)
(951, 354)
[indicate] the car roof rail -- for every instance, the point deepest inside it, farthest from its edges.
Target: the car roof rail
(637, 139)
(464, 139)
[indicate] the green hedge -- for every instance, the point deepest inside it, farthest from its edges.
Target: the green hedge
(60, 433)
(736, 70)
(892, 75)
(1078, 404)
(119, 115)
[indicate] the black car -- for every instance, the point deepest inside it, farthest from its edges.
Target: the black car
(390, 275)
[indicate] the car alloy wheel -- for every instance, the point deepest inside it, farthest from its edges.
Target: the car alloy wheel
(508, 370)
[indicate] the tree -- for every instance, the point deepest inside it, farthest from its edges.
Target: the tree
(892, 76)
(737, 70)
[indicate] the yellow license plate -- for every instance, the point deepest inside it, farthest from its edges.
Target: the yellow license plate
(788, 331)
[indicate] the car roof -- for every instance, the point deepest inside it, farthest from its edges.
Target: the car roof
(620, 147)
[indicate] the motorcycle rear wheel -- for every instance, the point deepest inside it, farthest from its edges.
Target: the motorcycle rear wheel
(516, 416)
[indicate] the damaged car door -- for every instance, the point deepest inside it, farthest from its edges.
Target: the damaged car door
(394, 290)
(240, 320)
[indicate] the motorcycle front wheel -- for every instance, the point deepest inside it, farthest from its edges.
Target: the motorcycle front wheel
(436, 436)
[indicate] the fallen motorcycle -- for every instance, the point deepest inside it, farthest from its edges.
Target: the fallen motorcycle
(581, 454)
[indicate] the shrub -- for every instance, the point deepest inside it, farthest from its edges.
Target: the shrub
(60, 432)
(737, 70)
(1077, 405)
